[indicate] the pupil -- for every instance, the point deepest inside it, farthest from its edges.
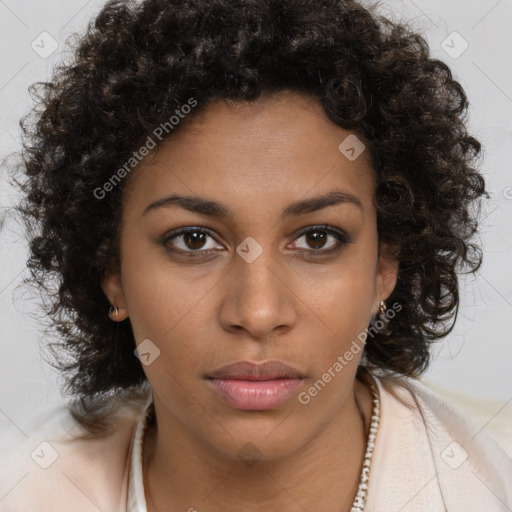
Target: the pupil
(318, 239)
(197, 239)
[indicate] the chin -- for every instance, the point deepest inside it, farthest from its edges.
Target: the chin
(254, 440)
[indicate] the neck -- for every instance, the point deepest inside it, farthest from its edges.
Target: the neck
(184, 473)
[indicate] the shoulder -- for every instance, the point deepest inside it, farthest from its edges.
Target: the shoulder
(56, 466)
(429, 456)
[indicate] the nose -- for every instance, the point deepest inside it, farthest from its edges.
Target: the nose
(259, 297)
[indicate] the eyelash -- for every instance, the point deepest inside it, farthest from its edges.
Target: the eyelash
(342, 238)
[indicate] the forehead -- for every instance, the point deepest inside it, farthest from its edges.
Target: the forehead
(282, 145)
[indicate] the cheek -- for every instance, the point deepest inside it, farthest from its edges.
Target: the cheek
(344, 310)
(341, 292)
(341, 300)
(165, 305)
(166, 312)
(163, 311)
(155, 292)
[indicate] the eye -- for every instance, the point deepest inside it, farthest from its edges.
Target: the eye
(317, 238)
(190, 240)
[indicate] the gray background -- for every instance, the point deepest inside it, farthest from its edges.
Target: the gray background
(475, 358)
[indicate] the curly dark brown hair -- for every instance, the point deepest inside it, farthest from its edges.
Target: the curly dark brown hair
(139, 62)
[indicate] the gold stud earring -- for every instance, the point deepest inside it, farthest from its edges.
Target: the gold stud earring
(382, 307)
(113, 308)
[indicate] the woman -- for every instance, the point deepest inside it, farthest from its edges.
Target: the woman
(256, 211)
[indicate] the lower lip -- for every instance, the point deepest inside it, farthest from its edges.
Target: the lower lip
(255, 395)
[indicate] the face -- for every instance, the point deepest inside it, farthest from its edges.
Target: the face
(274, 256)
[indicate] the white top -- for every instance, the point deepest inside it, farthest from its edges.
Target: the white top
(429, 475)
(427, 458)
(136, 496)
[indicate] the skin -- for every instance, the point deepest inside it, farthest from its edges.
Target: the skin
(203, 312)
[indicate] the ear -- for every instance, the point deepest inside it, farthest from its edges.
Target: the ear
(113, 289)
(387, 273)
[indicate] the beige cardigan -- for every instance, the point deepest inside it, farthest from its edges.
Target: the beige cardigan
(426, 459)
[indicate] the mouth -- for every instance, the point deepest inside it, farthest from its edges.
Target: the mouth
(255, 386)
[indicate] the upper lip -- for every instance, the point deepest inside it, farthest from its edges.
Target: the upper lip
(249, 370)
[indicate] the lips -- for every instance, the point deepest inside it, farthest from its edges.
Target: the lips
(247, 370)
(255, 386)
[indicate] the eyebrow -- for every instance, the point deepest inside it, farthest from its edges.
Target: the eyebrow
(211, 208)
